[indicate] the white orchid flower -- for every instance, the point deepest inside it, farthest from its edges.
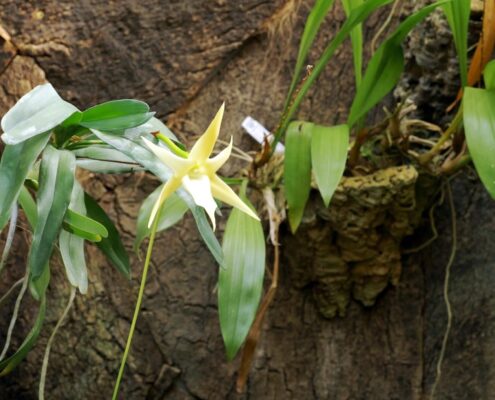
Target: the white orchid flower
(197, 173)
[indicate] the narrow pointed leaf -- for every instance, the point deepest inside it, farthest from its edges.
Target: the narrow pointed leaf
(116, 115)
(240, 282)
(103, 159)
(385, 67)
(356, 40)
(172, 212)
(297, 170)
(356, 17)
(17, 160)
(53, 198)
(311, 28)
(37, 112)
(457, 13)
(479, 126)
(112, 245)
(328, 156)
(72, 246)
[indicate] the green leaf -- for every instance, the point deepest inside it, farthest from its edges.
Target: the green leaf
(103, 159)
(172, 212)
(385, 67)
(112, 245)
(297, 170)
(38, 111)
(240, 282)
(356, 16)
(457, 13)
(328, 155)
(72, 246)
(479, 126)
(28, 204)
(56, 182)
(489, 75)
(116, 115)
(83, 223)
(356, 40)
(311, 28)
(17, 160)
(207, 234)
(8, 365)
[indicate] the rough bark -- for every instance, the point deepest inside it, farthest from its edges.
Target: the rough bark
(184, 58)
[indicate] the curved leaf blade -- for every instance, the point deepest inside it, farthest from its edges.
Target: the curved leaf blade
(116, 115)
(38, 111)
(17, 161)
(385, 67)
(328, 155)
(56, 182)
(240, 283)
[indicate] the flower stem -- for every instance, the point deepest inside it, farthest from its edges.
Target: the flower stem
(138, 306)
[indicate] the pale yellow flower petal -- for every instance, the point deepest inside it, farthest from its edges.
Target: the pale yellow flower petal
(171, 186)
(215, 163)
(200, 190)
(223, 192)
(178, 164)
(205, 144)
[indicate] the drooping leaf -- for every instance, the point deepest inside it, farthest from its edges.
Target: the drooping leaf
(328, 156)
(311, 28)
(356, 16)
(297, 170)
(116, 115)
(8, 365)
(489, 75)
(385, 67)
(56, 182)
(457, 13)
(16, 162)
(37, 112)
(72, 246)
(112, 245)
(207, 234)
(240, 282)
(479, 126)
(172, 212)
(356, 40)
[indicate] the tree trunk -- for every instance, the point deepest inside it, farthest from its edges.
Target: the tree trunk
(184, 59)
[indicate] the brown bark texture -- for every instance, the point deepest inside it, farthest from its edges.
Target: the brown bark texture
(184, 58)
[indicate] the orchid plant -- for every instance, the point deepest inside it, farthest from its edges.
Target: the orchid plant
(47, 139)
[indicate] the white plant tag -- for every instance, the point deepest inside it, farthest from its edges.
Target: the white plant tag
(258, 132)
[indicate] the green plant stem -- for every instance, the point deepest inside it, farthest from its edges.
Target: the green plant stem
(426, 157)
(172, 146)
(138, 306)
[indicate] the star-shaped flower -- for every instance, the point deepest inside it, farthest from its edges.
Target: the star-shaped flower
(197, 173)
